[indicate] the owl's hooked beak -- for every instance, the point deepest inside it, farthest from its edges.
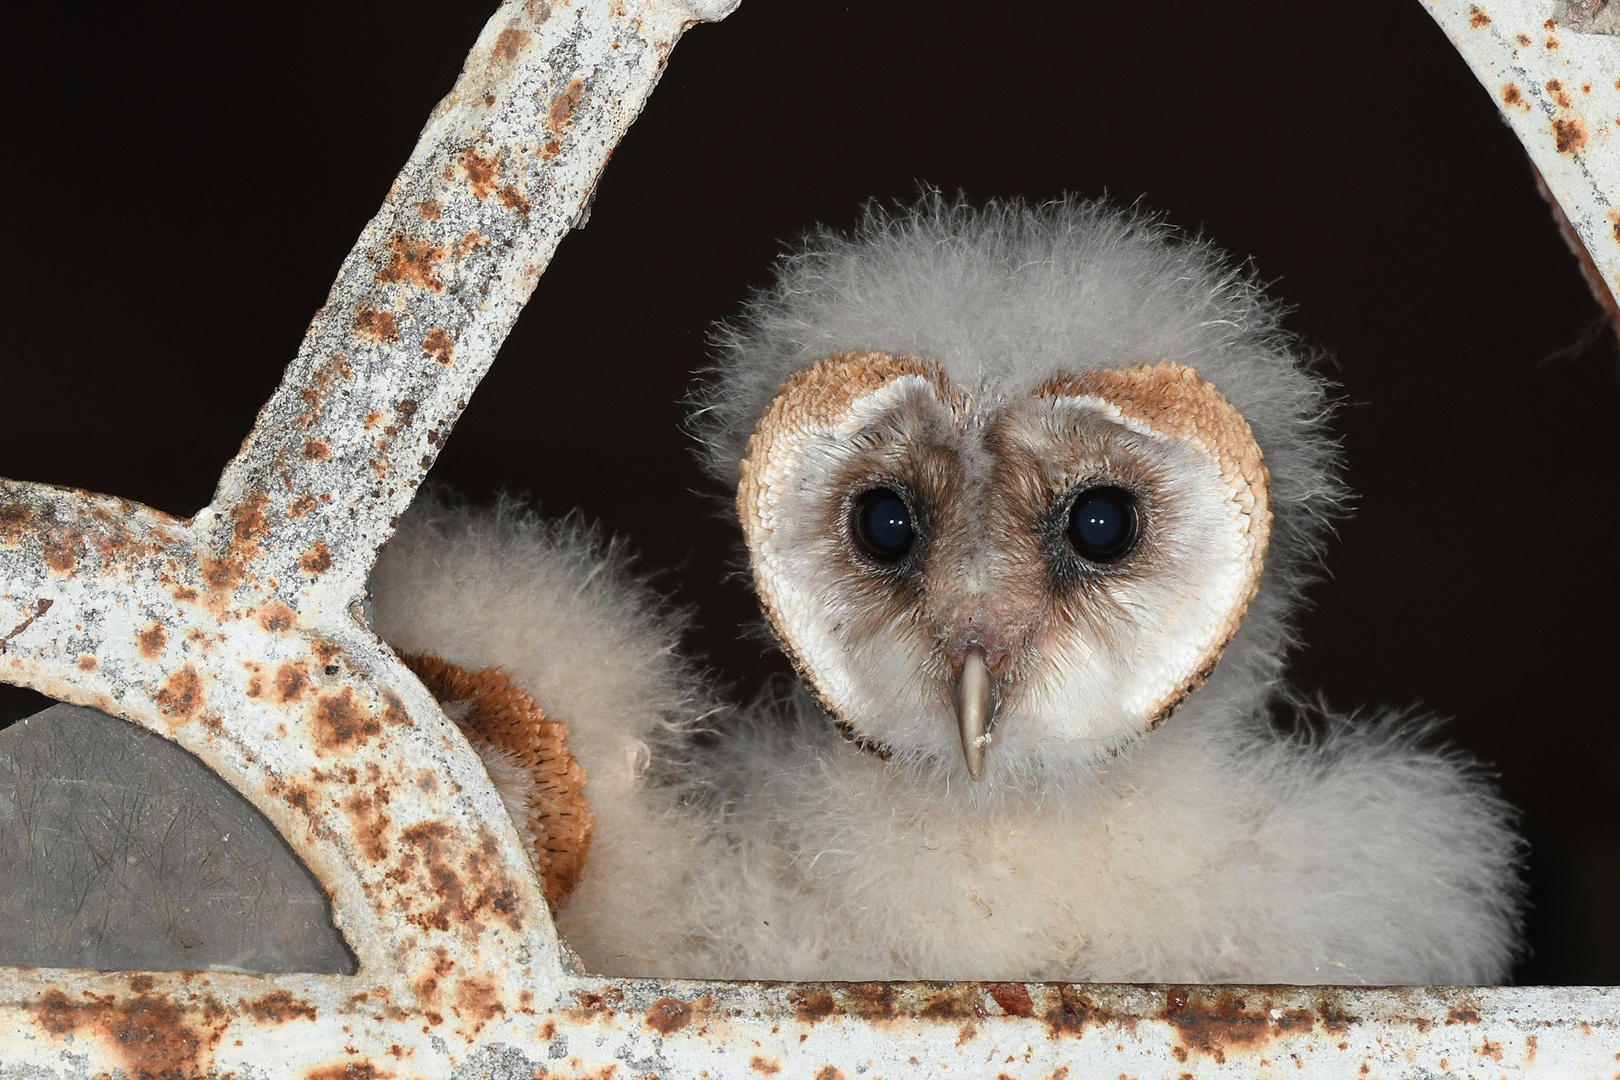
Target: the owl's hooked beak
(976, 702)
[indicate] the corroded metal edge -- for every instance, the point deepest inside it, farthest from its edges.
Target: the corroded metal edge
(1559, 90)
(331, 1027)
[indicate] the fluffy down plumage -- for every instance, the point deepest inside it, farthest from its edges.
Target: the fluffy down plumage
(1220, 846)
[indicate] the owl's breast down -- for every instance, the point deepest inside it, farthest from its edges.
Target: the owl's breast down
(1221, 853)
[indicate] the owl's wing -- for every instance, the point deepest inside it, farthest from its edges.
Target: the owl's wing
(1355, 850)
(555, 607)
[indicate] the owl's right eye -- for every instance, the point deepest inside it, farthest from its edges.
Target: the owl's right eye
(883, 525)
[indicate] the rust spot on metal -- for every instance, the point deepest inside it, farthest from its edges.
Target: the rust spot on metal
(59, 554)
(1229, 1022)
(112, 538)
(438, 345)
(593, 1006)
(41, 606)
(314, 398)
(873, 1001)
(513, 201)
(427, 987)
(248, 521)
(1477, 18)
(478, 1000)
(317, 560)
(1522, 39)
(411, 262)
(764, 1066)
(347, 1070)
(151, 1036)
(1069, 1014)
(279, 1006)
(291, 678)
(955, 1004)
(481, 173)
(1552, 43)
(1570, 134)
(326, 651)
(15, 521)
(829, 1072)
(429, 209)
(511, 41)
(301, 799)
(377, 325)
(1559, 94)
(811, 1007)
(87, 663)
(669, 1015)
(150, 642)
(371, 824)
(184, 594)
(277, 617)
(393, 710)
(1513, 99)
(461, 899)
(1012, 997)
(317, 450)
(467, 243)
(563, 107)
(1465, 1015)
(341, 721)
(182, 694)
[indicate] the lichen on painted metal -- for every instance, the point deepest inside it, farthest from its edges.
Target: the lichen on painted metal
(240, 635)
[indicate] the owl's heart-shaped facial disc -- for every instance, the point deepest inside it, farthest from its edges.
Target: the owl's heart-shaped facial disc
(1051, 573)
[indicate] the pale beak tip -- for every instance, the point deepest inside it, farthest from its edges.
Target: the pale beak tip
(975, 708)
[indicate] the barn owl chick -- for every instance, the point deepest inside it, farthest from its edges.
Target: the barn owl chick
(1030, 496)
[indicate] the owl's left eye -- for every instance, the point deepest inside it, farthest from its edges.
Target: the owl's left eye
(883, 524)
(1102, 524)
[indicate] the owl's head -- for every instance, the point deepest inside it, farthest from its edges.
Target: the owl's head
(1016, 483)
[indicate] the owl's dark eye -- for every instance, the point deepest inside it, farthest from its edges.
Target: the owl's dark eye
(883, 524)
(1102, 525)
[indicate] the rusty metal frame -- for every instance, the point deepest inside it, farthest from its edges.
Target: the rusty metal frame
(240, 635)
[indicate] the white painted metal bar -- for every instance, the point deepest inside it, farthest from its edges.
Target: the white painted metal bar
(1559, 90)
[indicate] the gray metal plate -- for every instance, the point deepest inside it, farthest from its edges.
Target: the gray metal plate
(124, 852)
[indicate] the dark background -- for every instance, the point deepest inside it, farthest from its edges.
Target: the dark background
(181, 183)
